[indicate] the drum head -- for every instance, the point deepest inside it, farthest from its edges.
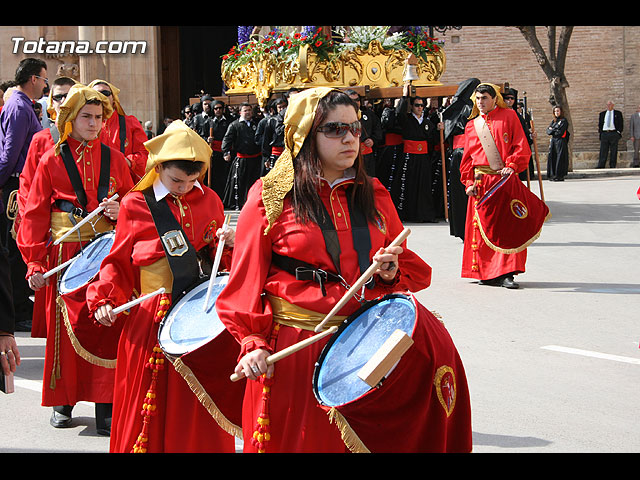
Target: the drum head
(336, 380)
(188, 325)
(87, 264)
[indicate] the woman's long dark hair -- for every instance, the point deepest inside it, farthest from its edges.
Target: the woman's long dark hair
(308, 169)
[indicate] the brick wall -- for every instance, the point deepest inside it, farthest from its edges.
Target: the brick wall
(603, 62)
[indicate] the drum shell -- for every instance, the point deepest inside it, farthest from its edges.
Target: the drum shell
(405, 412)
(93, 341)
(206, 370)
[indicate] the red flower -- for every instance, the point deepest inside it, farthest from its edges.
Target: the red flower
(423, 43)
(318, 43)
(410, 44)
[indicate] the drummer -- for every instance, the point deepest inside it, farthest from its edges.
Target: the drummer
(52, 204)
(170, 197)
(267, 308)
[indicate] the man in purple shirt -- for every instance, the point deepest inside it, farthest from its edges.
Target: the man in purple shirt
(18, 123)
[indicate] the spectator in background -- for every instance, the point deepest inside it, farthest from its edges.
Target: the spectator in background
(18, 123)
(610, 126)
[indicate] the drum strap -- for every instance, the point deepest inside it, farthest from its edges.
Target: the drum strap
(76, 181)
(123, 132)
(361, 242)
(180, 253)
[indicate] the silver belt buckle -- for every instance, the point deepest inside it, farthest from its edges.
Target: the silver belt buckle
(175, 243)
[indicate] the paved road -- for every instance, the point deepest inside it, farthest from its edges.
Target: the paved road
(552, 367)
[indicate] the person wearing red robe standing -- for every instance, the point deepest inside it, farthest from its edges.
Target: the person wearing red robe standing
(155, 410)
(123, 132)
(40, 143)
(267, 307)
(51, 204)
(478, 175)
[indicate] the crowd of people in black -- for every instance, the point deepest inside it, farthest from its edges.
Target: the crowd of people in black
(400, 144)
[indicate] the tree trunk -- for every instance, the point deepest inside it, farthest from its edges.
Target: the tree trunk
(553, 67)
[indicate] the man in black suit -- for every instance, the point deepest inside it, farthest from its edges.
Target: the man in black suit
(610, 125)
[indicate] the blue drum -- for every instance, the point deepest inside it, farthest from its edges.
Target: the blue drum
(188, 326)
(335, 379)
(87, 263)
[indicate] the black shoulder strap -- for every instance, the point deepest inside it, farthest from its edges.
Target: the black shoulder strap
(123, 131)
(74, 175)
(183, 259)
(359, 231)
(105, 172)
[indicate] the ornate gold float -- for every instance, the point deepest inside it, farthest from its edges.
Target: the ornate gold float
(262, 70)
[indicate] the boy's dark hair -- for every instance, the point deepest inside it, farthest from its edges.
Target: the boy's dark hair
(486, 89)
(187, 166)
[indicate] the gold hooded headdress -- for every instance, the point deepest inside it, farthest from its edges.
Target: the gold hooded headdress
(297, 125)
(77, 98)
(115, 91)
(499, 100)
(178, 142)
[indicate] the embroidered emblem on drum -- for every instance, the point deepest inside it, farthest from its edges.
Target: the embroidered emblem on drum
(445, 383)
(210, 231)
(175, 243)
(519, 209)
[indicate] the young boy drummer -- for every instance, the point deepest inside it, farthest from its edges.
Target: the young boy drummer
(168, 217)
(72, 179)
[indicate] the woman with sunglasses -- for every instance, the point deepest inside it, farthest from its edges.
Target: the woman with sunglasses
(285, 277)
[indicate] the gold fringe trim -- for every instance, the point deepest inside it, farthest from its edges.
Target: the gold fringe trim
(77, 346)
(349, 437)
(507, 250)
(205, 399)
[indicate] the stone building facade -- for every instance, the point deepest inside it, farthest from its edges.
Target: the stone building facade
(602, 64)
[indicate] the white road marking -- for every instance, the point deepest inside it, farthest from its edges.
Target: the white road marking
(589, 353)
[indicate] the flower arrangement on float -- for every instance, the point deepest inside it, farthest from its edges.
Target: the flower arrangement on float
(364, 55)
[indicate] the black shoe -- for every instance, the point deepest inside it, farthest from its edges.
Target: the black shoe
(61, 416)
(493, 282)
(103, 418)
(508, 282)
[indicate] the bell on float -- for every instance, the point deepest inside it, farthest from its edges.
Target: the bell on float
(410, 69)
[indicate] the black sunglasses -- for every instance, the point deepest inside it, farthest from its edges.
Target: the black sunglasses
(59, 97)
(106, 93)
(340, 129)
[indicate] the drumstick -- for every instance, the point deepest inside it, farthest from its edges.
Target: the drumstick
(364, 278)
(138, 300)
(48, 273)
(216, 265)
(291, 349)
(83, 221)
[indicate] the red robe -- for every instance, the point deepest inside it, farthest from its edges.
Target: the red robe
(478, 259)
(134, 148)
(40, 143)
(68, 378)
(180, 422)
(296, 422)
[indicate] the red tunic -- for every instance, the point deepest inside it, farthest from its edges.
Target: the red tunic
(180, 422)
(296, 422)
(77, 378)
(40, 143)
(478, 259)
(134, 148)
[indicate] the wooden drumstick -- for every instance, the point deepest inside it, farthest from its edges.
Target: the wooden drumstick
(291, 349)
(216, 265)
(48, 273)
(83, 221)
(138, 300)
(364, 278)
